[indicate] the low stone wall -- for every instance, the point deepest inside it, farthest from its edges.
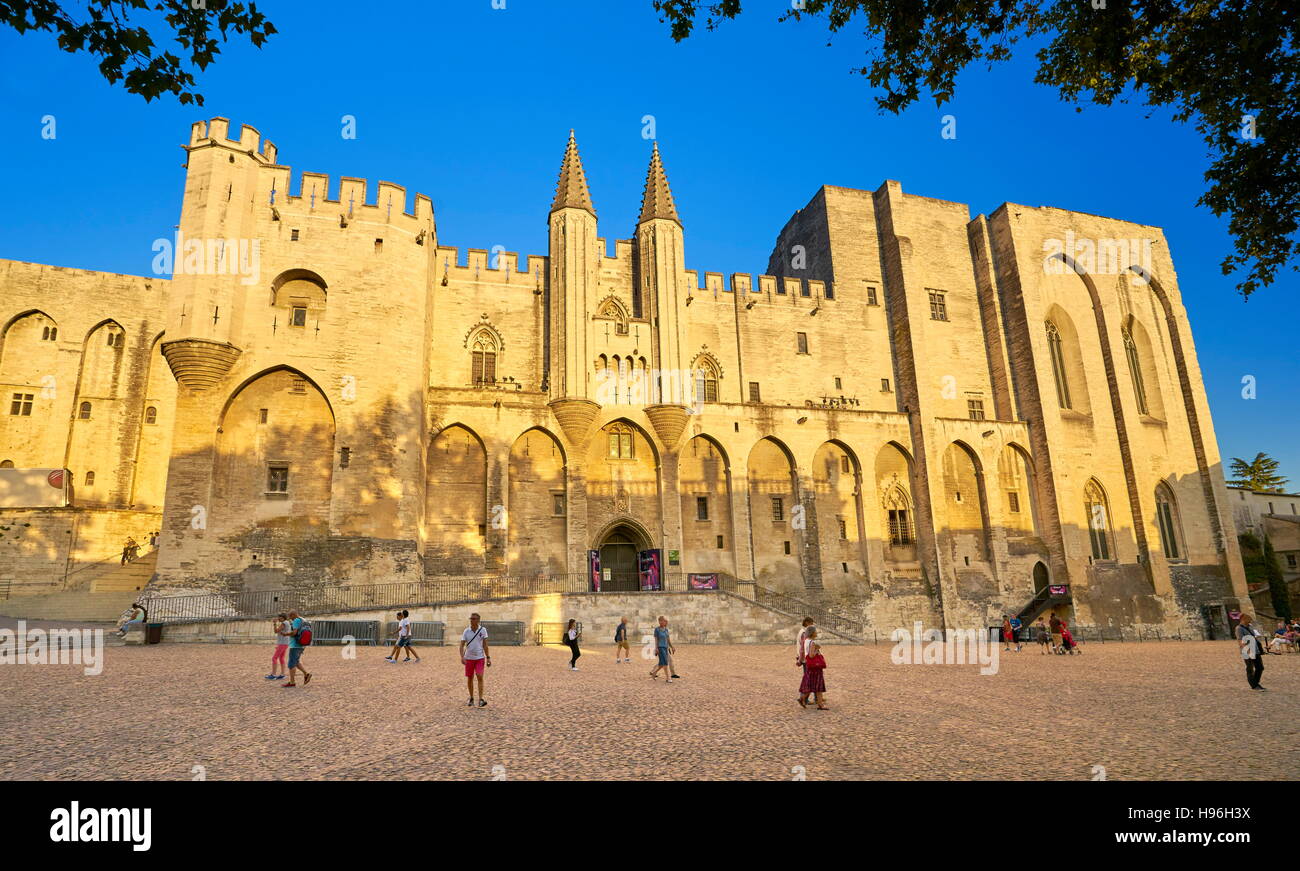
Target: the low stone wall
(694, 618)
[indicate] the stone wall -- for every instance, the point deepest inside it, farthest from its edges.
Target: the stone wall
(696, 618)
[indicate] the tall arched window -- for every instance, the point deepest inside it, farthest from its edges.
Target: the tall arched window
(151, 415)
(484, 358)
(620, 442)
(706, 380)
(898, 517)
(83, 412)
(1135, 369)
(1058, 365)
(1167, 520)
(1094, 499)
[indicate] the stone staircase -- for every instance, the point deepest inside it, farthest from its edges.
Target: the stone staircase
(129, 578)
(80, 606)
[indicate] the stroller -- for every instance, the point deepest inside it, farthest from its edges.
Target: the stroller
(1068, 644)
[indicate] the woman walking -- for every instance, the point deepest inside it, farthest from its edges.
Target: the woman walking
(1252, 651)
(814, 682)
(571, 639)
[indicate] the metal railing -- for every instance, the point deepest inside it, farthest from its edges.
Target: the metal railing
(792, 605)
(422, 632)
(553, 633)
(340, 631)
(331, 598)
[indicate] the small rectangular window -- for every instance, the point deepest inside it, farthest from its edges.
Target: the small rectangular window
(753, 392)
(844, 464)
(1013, 502)
(345, 457)
(787, 547)
(299, 386)
(701, 507)
(975, 408)
(277, 479)
(722, 546)
(263, 414)
(838, 384)
(884, 385)
(801, 341)
(938, 306)
(871, 296)
(778, 508)
(844, 529)
(558, 506)
(293, 235)
(379, 246)
(21, 405)
(298, 316)
(1290, 561)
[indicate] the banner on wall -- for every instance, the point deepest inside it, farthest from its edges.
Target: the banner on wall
(593, 569)
(702, 582)
(650, 563)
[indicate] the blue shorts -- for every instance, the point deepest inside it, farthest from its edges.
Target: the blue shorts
(404, 641)
(663, 656)
(295, 654)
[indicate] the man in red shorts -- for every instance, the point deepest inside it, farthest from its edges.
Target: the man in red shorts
(475, 655)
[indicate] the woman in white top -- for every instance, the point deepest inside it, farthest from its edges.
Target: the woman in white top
(571, 639)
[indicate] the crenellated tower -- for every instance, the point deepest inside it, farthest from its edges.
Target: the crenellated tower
(574, 260)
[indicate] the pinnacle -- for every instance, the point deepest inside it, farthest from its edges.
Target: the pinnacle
(571, 191)
(657, 202)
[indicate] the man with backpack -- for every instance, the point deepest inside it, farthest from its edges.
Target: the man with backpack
(299, 641)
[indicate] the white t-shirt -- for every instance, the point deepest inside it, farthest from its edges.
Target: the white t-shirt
(801, 644)
(404, 627)
(573, 634)
(474, 639)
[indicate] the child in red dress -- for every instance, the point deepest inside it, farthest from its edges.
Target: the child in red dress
(814, 681)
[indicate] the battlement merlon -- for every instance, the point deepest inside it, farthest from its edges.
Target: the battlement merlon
(497, 266)
(390, 206)
(312, 199)
(216, 132)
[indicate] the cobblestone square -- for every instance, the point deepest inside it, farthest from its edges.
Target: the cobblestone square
(1140, 711)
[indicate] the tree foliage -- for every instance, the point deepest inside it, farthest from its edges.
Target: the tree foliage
(1228, 67)
(1259, 474)
(121, 34)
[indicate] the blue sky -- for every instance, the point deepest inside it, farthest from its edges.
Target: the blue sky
(472, 105)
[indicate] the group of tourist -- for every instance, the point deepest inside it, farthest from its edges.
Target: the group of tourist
(1053, 637)
(1254, 646)
(292, 636)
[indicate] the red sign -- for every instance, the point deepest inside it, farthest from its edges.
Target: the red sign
(55, 479)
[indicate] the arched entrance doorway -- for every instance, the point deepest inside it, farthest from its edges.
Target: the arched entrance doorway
(619, 547)
(1040, 577)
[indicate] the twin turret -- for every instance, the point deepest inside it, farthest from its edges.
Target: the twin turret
(659, 294)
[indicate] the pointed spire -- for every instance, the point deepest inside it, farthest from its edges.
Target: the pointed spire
(657, 202)
(571, 192)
